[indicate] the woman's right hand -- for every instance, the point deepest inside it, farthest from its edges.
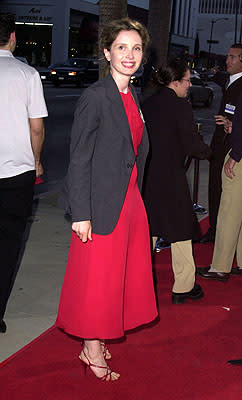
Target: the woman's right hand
(83, 229)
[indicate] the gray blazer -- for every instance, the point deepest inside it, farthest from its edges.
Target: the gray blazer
(101, 157)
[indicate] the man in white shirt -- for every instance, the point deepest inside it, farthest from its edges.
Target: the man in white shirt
(22, 108)
(220, 144)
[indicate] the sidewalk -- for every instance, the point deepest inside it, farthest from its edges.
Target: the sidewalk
(34, 300)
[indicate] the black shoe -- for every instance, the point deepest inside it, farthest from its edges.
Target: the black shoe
(3, 326)
(208, 237)
(195, 294)
(235, 362)
(161, 244)
(218, 276)
(236, 271)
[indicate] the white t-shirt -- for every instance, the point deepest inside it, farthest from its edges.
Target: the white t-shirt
(21, 98)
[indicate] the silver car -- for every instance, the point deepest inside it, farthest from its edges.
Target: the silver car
(200, 92)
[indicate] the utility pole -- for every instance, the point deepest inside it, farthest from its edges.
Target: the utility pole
(236, 4)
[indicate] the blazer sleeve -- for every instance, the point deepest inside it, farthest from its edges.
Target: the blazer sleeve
(192, 144)
(83, 138)
(236, 135)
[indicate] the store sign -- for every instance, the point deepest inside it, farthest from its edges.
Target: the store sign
(34, 15)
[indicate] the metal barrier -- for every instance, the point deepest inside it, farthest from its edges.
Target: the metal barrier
(197, 208)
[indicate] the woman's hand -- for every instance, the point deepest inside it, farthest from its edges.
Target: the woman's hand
(83, 229)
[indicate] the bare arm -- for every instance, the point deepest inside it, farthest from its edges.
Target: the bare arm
(37, 135)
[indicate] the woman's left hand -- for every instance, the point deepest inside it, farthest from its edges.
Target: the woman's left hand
(83, 229)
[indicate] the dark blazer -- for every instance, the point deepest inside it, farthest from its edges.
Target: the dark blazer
(220, 146)
(101, 157)
(171, 129)
(221, 142)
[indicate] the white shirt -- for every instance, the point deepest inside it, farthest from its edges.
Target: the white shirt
(233, 78)
(21, 98)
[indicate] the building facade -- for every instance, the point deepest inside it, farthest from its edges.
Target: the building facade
(219, 26)
(183, 27)
(53, 31)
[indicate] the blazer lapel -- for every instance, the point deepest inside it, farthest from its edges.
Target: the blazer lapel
(119, 116)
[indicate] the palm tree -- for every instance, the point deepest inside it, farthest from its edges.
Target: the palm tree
(158, 27)
(109, 10)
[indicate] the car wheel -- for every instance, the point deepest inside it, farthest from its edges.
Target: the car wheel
(78, 84)
(56, 84)
(208, 102)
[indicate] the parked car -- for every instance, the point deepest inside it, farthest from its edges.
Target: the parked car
(200, 92)
(44, 73)
(76, 71)
(23, 59)
(205, 73)
(137, 79)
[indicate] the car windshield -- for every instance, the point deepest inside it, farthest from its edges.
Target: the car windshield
(74, 62)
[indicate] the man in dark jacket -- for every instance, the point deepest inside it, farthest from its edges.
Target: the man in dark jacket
(229, 226)
(220, 144)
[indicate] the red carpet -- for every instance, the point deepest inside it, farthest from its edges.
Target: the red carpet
(181, 357)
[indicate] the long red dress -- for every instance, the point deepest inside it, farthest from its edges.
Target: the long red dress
(108, 285)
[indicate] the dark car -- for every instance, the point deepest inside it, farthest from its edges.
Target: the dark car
(137, 79)
(200, 92)
(77, 71)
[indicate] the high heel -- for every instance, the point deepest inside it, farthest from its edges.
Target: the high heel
(107, 377)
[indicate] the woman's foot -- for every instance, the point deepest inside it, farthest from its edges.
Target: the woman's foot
(106, 353)
(98, 366)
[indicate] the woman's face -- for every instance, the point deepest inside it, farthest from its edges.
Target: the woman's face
(125, 55)
(183, 85)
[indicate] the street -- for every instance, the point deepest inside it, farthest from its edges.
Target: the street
(61, 104)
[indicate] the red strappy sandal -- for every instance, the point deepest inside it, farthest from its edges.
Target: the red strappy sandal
(107, 377)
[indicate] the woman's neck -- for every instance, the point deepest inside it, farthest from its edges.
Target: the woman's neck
(122, 82)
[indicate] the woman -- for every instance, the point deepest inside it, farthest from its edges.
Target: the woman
(169, 207)
(108, 286)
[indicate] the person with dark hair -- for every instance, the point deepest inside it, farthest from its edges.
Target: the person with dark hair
(220, 143)
(228, 239)
(108, 285)
(21, 136)
(171, 129)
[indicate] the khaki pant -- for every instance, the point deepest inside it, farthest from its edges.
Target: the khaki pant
(228, 238)
(182, 264)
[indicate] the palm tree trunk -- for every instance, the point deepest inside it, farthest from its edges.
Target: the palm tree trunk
(109, 10)
(158, 27)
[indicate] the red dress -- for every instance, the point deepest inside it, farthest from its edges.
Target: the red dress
(108, 285)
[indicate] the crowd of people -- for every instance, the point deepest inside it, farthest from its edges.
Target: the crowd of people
(108, 286)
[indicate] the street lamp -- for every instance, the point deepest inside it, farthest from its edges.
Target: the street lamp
(210, 41)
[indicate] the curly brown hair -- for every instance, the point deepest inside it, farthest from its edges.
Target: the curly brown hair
(113, 28)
